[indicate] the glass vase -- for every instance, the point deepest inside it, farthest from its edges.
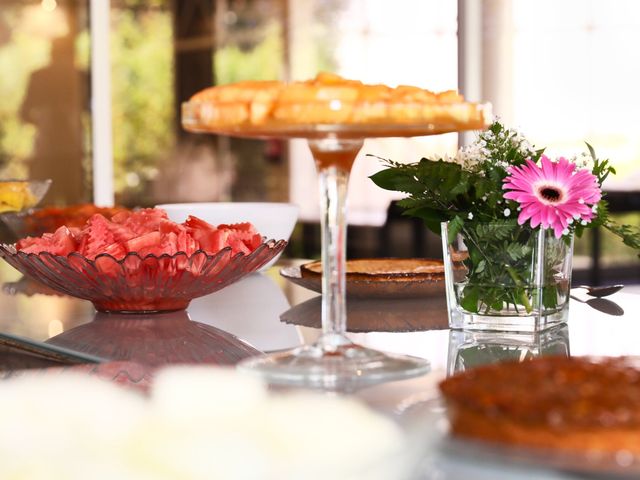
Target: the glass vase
(506, 277)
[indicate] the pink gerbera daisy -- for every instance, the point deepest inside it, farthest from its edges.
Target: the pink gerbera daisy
(553, 194)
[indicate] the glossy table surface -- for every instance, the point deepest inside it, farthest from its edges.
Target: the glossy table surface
(268, 313)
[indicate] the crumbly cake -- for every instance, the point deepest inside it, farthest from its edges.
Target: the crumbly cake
(560, 403)
(328, 99)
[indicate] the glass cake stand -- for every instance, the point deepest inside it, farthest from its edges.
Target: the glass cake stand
(334, 362)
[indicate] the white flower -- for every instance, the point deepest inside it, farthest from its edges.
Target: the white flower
(584, 161)
(470, 156)
(470, 216)
(488, 147)
(507, 212)
(450, 159)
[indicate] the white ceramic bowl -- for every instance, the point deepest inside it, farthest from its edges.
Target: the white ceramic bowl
(273, 220)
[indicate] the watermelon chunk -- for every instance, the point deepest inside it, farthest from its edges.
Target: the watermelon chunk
(61, 242)
(147, 231)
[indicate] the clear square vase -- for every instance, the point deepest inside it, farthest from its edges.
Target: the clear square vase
(506, 277)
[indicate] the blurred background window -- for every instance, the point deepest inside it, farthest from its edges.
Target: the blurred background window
(564, 72)
(44, 113)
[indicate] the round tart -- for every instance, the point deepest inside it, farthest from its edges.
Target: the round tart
(559, 403)
(398, 268)
(378, 278)
(327, 99)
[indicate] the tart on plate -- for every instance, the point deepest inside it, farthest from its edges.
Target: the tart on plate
(378, 277)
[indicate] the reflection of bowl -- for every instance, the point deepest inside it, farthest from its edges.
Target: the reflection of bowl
(273, 220)
(18, 195)
(155, 340)
(140, 284)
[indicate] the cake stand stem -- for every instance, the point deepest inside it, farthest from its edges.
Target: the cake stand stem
(334, 362)
(334, 158)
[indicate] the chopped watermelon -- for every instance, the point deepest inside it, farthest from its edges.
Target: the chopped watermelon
(147, 231)
(61, 242)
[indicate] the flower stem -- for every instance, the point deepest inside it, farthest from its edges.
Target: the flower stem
(523, 295)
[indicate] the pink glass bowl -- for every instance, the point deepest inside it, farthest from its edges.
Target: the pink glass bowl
(136, 284)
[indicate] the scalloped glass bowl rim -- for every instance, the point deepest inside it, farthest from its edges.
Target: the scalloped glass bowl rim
(11, 249)
(8, 247)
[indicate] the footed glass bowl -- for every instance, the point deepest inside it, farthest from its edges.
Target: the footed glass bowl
(136, 284)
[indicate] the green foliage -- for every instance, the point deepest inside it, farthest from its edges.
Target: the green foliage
(470, 187)
(629, 234)
(142, 82)
(441, 190)
(501, 263)
(601, 168)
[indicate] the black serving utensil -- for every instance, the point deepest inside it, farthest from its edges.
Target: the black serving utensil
(603, 291)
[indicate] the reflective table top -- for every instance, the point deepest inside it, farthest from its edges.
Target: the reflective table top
(266, 312)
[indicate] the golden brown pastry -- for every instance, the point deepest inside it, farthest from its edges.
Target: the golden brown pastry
(560, 403)
(327, 99)
(385, 267)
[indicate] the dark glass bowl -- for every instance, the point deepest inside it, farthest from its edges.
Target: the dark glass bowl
(136, 284)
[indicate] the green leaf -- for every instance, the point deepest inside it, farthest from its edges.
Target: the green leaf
(480, 266)
(397, 180)
(462, 186)
(550, 296)
(517, 251)
(629, 234)
(469, 299)
(455, 227)
(475, 255)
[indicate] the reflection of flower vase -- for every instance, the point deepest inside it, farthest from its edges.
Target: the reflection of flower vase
(155, 340)
(506, 277)
(468, 349)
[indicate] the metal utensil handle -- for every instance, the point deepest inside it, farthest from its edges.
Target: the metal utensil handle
(51, 352)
